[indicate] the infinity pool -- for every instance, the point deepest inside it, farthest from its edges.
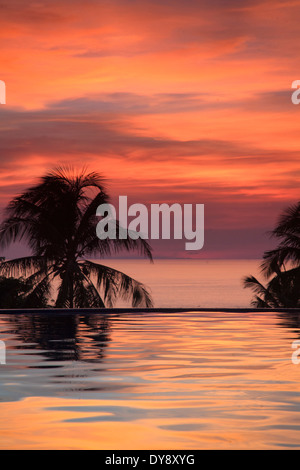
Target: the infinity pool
(185, 380)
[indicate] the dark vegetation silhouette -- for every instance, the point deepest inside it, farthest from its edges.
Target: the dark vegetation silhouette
(61, 337)
(280, 266)
(15, 293)
(57, 218)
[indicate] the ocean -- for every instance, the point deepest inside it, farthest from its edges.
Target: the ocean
(181, 380)
(154, 380)
(192, 283)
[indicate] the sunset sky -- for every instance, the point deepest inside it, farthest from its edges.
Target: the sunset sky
(172, 101)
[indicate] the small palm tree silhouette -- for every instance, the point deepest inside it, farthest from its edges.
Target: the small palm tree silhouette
(283, 288)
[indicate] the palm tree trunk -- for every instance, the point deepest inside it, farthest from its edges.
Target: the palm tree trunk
(71, 287)
(71, 298)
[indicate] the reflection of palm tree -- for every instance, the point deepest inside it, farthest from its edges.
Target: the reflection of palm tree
(283, 288)
(62, 337)
(290, 320)
(58, 218)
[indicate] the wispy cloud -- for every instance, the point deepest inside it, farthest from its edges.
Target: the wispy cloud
(169, 99)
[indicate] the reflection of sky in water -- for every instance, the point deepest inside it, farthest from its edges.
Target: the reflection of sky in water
(188, 379)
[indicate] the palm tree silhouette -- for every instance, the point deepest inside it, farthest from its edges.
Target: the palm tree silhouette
(283, 288)
(288, 250)
(57, 218)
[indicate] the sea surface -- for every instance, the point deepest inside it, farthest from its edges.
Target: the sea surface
(192, 283)
(142, 380)
(116, 381)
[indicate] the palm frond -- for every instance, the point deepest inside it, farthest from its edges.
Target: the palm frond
(96, 247)
(289, 222)
(23, 266)
(39, 294)
(115, 284)
(264, 292)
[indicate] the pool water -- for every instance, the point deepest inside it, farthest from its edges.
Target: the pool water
(191, 380)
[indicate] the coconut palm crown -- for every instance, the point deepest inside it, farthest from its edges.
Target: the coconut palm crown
(57, 218)
(280, 266)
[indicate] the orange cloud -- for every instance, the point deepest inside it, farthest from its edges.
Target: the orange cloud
(182, 100)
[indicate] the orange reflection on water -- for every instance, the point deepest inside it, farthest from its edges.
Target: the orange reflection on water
(163, 381)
